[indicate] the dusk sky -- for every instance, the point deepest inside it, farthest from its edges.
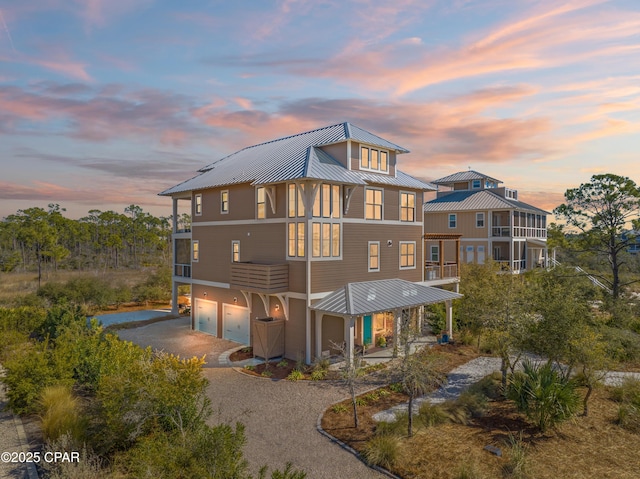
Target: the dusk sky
(105, 103)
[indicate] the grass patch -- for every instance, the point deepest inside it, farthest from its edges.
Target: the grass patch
(382, 451)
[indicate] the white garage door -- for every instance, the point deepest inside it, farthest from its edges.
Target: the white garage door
(206, 316)
(235, 322)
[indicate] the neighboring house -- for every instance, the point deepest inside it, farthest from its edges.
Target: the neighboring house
(320, 230)
(633, 237)
(491, 219)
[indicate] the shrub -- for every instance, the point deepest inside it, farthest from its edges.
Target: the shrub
(394, 428)
(266, 373)
(382, 451)
(489, 386)
(295, 375)
(517, 465)
(88, 467)
(628, 393)
(283, 364)
(543, 395)
(432, 414)
(318, 374)
(396, 387)
(629, 417)
(61, 414)
(474, 404)
(340, 408)
(622, 345)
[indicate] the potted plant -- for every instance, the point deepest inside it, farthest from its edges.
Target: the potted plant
(381, 342)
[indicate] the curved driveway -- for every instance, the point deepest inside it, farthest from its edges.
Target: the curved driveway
(279, 416)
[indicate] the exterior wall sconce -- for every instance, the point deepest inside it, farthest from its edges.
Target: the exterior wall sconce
(235, 299)
(204, 294)
(277, 307)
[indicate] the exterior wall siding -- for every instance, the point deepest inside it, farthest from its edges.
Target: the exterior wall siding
(466, 224)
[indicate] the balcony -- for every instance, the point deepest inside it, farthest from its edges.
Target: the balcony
(433, 271)
(183, 270)
(260, 278)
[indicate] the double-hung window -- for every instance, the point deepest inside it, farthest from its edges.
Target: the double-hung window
(479, 220)
(325, 232)
(197, 207)
(235, 251)
(407, 206)
(453, 220)
(374, 256)
(435, 253)
(261, 200)
(195, 251)
(373, 203)
(296, 240)
(374, 159)
(407, 254)
(224, 201)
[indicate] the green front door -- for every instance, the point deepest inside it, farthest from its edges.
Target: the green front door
(367, 333)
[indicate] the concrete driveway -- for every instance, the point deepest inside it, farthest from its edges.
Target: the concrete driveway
(279, 416)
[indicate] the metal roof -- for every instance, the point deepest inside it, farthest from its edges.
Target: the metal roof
(296, 157)
(476, 200)
(464, 176)
(355, 299)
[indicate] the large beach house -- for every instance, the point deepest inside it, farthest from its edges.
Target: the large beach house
(320, 230)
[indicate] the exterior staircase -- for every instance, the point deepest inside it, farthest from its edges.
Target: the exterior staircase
(592, 278)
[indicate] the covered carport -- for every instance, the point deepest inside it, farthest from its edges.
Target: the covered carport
(355, 300)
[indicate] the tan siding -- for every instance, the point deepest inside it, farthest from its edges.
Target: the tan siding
(295, 337)
(391, 204)
(298, 276)
(355, 158)
(259, 242)
(332, 332)
(337, 151)
(356, 206)
(466, 224)
(330, 275)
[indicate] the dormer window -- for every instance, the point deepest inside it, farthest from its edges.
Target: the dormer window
(374, 160)
(475, 184)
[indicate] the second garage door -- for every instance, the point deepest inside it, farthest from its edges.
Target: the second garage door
(235, 323)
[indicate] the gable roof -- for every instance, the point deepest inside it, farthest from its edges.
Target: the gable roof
(476, 200)
(464, 176)
(355, 299)
(297, 157)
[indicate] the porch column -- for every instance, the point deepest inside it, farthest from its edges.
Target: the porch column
(511, 258)
(449, 306)
(174, 298)
(349, 335)
(175, 215)
(397, 324)
(319, 317)
(441, 251)
(458, 257)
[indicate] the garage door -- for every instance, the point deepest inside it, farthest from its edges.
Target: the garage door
(206, 316)
(235, 322)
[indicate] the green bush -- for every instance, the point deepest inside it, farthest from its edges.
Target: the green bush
(517, 465)
(628, 394)
(295, 375)
(543, 395)
(622, 345)
(475, 404)
(489, 386)
(318, 374)
(383, 451)
(394, 428)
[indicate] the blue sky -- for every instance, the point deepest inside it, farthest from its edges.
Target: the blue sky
(104, 103)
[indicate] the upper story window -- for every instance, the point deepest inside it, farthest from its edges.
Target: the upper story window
(435, 253)
(235, 251)
(476, 184)
(407, 206)
(374, 256)
(479, 220)
(327, 201)
(198, 205)
(195, 251)
(407, 254)
(224, 201)
(325, 240)
(374, 159)
(296, 240)
(295, 200)
(261, 200)
(453, 220)
(373, 204)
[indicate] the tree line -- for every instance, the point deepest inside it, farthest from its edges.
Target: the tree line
(44, 239)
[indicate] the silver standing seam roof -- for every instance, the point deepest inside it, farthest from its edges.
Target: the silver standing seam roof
(297, 157)
(356, 299)
(476, 200)
(464, 176)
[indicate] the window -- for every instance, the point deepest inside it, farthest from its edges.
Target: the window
(373, 204)
(262, 204)
(326, 240)
(198, 205)
(479, 220)
(435, 253)
(224, 201)
(327, 202)
(295, 200)
(373, 159)
(195, 251)
(296, 243)
(374, 255)
(407, 254)
(235, 251)
(407, 206)
(453, 220)
(476, 184)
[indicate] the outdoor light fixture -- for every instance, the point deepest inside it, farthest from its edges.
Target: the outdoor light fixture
(277, 307)
(389, 242)
(235, 299)
(204, 294)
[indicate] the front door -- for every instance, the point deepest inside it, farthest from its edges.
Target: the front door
(206, 316)
(367, 333)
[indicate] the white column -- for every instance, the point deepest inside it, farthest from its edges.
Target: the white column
(449, 305)
(349, 335)
(319, 317)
